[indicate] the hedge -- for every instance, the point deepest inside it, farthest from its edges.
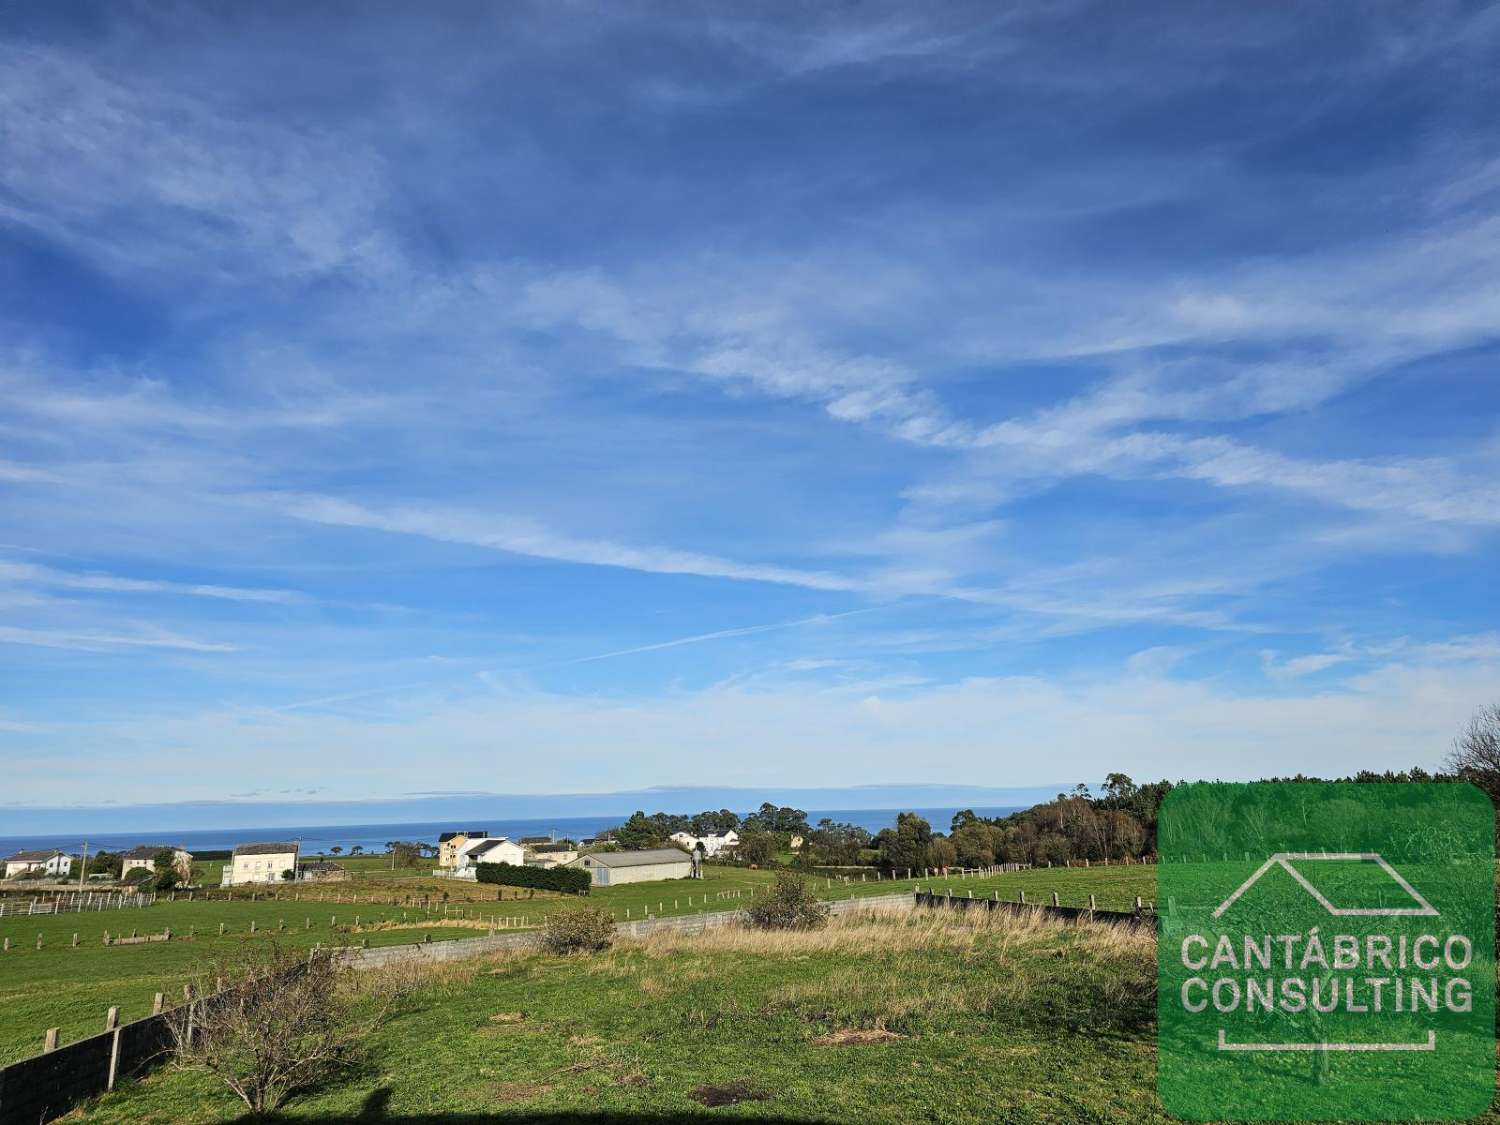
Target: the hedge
(568, 880)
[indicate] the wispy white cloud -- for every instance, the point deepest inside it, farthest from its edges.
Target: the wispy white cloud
(108, 642)
(1298, 666)
(28, 574)
(520, 536)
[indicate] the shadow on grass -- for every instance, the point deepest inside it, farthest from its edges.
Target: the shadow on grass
(375, 1111)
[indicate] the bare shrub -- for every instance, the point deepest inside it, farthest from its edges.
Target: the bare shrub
(281, 1025)
(582, 929)
(789, 905)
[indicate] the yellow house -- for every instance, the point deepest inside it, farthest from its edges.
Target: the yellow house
(451, 845)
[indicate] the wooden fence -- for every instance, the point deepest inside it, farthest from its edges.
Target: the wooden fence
(1140, 916)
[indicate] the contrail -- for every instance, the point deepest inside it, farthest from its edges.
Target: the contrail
(696, 638)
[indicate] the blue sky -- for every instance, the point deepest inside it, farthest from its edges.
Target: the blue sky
(557, 397)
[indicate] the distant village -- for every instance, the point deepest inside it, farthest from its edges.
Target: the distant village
(459, 855)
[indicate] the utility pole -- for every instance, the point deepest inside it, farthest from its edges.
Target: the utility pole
(84, 866)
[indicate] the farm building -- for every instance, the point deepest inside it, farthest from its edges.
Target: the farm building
(54, 863)
(609, 869)
(260, 863)
(145, 856)
(452, 844)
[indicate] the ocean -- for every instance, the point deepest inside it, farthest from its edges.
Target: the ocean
(319, 838)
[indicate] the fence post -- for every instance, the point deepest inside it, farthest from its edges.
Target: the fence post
(1054, 898)
(157, 1003)
(49, 1041)
(112, 1023)
(1091, 904)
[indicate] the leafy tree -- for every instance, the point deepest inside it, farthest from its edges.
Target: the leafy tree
(406, 853)
(941, 853)
(905, 846)
(772, 819)
(963, 818)
(336, 850)
(640, 831)
(756, 847)
(975, 844)
(835, 844)
(707, 822)
(356, 849)
(164, 870)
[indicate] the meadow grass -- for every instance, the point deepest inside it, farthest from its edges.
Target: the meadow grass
(71, 988)
(888, 1017)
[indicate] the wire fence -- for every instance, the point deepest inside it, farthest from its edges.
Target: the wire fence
(76, 902)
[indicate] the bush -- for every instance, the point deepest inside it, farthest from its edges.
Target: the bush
(568, 880)
(789, 905)
(285, 1023)
(584, 929)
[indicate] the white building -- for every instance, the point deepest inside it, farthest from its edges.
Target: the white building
(713, 843)
(451, 844)
(145, 856)
(54, 863)
(494, 849)
(260, 863)
(610, 869)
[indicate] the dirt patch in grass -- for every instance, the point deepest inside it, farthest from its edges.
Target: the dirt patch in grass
(857, 1037)
(508, 1017)
(728, 1093)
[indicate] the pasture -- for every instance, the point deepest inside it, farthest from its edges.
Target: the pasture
(71, 988)
(932, 1015)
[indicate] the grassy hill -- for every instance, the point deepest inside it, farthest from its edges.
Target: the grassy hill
(925, 1016)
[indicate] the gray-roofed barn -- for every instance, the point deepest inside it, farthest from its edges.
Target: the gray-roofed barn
(608, 869)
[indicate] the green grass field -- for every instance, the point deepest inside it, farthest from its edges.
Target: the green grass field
(931, 1016)
(72, 988)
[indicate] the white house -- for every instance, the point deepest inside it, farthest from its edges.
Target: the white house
(145, 856)
(493, 849)
(54, 863)
(609, 869)
(713, 843)
(259, 863)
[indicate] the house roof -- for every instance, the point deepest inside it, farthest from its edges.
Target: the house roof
(265, 849)
(444, 837)
(487, 846)
(545, 848)
(33, 857)
(536, 839)
(640, 858)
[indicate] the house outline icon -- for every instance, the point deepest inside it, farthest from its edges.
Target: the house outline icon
(1425, 909)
